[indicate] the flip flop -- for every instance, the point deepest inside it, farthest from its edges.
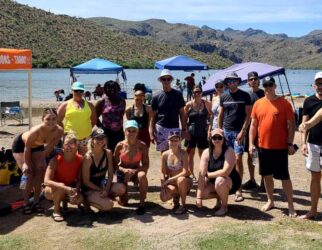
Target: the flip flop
(58, 217)
(239, 198)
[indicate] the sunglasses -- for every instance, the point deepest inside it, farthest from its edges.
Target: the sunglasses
(175, 133)
(268, 85)
(197, 92)
(232, 80)
(252, 79)
(166, 79)
(217, 138)
(78, 91)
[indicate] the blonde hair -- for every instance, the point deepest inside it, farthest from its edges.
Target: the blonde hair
(70, 136)
(90, 147)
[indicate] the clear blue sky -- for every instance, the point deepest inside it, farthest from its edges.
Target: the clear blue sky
(292, 17)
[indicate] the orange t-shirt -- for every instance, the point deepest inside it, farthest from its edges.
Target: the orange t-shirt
(272, 117)
(67, 172)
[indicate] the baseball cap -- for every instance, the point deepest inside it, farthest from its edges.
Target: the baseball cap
(131, 124)
(173, 134)
(165, 72)
(78, 86)
(252, 74)
(268, 79)
(232, 75)
(98, 133)
(217, 131)
(318, 76)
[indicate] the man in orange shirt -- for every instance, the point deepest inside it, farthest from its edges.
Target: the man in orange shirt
(273, 120)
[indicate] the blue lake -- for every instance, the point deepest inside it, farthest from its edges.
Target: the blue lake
(13, 85)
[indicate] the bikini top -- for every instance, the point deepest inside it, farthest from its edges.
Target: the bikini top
(128, 161)
(177, 166)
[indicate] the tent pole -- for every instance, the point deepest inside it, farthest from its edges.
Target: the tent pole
(279, 79)
(289, 90)
(29, 99)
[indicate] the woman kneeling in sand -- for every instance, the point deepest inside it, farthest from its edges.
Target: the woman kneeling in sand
(175, 181)
(30, 150)
(97, 173)
(132, 159)
(218, 176)
(62, 178)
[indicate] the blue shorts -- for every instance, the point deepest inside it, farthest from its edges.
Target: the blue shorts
(231, 141)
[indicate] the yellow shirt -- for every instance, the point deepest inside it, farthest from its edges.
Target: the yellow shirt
(78, 120)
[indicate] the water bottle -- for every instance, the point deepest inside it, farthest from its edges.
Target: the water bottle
(23, 182)
(255, 156)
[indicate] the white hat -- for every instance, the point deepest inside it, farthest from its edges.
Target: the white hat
(318, 76)
(165, 72)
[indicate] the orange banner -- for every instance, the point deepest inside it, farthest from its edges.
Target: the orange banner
(15, 59)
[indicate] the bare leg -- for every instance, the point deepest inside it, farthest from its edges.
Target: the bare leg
(251, 168)
(39, 166)
(184, 185)
(269, 185)
(315, 189)
(288, 189)
(191, 153)
(118, 189)
(240, 170)
(143, 186)
(222, 186)
(95, 199)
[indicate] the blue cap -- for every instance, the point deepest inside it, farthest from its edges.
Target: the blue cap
(78, 86)
(131, 124)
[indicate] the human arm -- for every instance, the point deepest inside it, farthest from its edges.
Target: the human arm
(220, 116)
(61, 111)
(128, 113)
(93, 114)
(145, 158)
(109, 172)
(210, 117)
(50, 146)
(99, 108)
(229, 164)
(252, 135)
(242, 133)
(290, 135)
(152, 126)
(183, 121)
(202, 176)
(304, 134)
(306, 125)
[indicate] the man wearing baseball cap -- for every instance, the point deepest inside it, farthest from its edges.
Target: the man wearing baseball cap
(167, 106)
(233, 117)
(312, 143)
(273, 121)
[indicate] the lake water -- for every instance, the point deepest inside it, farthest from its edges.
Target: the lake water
(13, 85)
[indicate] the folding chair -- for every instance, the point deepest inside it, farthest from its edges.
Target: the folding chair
(11, 110)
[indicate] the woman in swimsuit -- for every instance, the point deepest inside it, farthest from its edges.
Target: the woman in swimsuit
(62, 178)
(131, 159)
(97, 173)
(198, 113)
(79, 116)
(142, 114)
(218, 176)
(30, 150)
(175, 181)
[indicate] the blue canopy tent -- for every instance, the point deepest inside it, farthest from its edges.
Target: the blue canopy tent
(180, 62)
(98, 66)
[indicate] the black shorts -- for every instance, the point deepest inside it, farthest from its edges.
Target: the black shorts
(113, 138)
(18, 146)
(273, 162)
(235, 178)
(201, 142)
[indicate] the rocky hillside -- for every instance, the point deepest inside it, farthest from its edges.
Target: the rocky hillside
(63, 41)
(238, 46)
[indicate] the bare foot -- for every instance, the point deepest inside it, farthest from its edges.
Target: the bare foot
(291, 212)
(308, 216)
(268, 206)
(239, 196)
(222, 211)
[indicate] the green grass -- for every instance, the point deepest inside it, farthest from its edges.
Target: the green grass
(14, 242)
(285, 234)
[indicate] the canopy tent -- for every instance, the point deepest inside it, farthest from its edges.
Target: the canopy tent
(180, 62)
(19, 59)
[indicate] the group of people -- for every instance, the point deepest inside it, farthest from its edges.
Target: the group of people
(98, 145)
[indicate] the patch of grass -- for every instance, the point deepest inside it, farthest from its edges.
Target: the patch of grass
(285, 234)
(14, 242)
(108, 239)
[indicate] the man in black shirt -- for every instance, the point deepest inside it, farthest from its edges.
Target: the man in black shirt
(167, 107)
(234, 117)
(255, 94)
(312, 145)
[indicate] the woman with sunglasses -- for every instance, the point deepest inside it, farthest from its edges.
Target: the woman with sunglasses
(142, 114)
(97, 173)
(30, 150)
(62, 178)
(79, 116)
(112, 108)
(197, 112)
(132, 162)
(218, 176)
(175, 181)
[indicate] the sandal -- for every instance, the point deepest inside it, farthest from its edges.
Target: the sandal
(181, 210)
(37, 208)
(239, 197)
(27, 209)
(58, 217)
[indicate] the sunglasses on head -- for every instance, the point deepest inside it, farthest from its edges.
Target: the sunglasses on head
(269, 84)
(217, 138)
(78, 91)
(166, 79)
(253, 79)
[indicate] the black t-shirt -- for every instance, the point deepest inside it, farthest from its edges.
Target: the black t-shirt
(311, 105)
(234, 109)
(254, 96)
(167, 105)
